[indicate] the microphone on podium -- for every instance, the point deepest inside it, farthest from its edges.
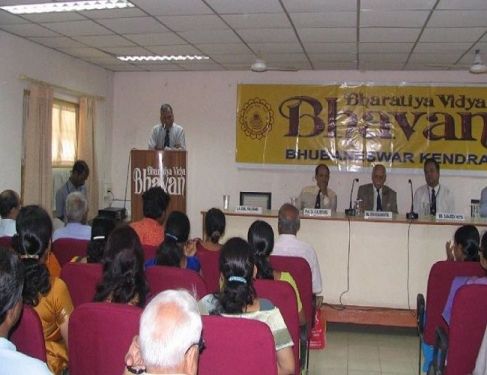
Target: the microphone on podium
(411, 215)
(351, 211)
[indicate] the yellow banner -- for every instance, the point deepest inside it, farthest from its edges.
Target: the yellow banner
(357, 126)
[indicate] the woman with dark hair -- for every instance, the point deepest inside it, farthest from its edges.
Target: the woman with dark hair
(176, 250)
(261, 240)
(100, 230)
(123, 269)
(48, 295)
(465, 247)
(237, 298)
(214, 230)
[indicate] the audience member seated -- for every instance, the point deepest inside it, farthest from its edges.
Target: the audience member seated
(11, 283)
(169, 340)
(100, 230)
(465, 247)
(287, 243)
(377, 196)
(463, 280)
(214, 230)
(237, 298)
(319, 195)
(76, 215)
(76, 182)
(150, 229)
(123, 270)
(261, 240)
(9, 209)
(48, 295)
(176, 250)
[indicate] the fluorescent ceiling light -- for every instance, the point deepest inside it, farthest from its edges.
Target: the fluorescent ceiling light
(162, 58)
(71, 6)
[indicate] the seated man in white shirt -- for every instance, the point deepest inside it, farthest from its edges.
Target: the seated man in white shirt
(288, 245)
(9, 209)
(76, 214)
(11, 284)
(319, 195)
(433, 197)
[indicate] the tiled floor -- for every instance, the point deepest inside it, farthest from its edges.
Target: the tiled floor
(362, 350)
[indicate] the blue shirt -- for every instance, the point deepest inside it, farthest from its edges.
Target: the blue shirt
(77, 231)
(16, 363)
(192, 263)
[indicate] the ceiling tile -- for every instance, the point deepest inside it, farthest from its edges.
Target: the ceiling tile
(385, 47)
(245, 7)
(222, 48)
(210, 36)
(332, 57)
(371, 65)
(268, 35)
(162, 67)
(344, 65)
(404, 18)
(234, 59)
(155, 39)
(248, 21)
(392, 35)
(78, 28)
(28, 29)
(327, 35)
(319, 5)
(174, 50)
(58, 42)
(199, 65)
(329, 19)
(285, 59)
(186, 23)
(276, 47)
(434, 58)
(54, 17)
(442, 47)
(312, 47)
(104, 41)
(127, 51)
(462, 4)
(135, 25)
(113, 13)
(172, 7)
(457, 35)
(84, 52)
(388, 4)
(458, 18)
(379, 58)
(8, 18)
(122, 68)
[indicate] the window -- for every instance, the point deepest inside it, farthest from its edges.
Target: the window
(64, 130)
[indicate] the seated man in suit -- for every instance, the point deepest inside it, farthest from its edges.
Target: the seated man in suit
(377, 196)
(319, 195)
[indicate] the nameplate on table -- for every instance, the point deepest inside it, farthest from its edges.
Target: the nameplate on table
(318, 212)
(249, 210)
(449, 217)
(382, 215)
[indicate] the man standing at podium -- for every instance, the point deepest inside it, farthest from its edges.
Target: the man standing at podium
(167, 134)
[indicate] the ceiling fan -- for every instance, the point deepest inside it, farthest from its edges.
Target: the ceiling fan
(477, 67)
(259, 66)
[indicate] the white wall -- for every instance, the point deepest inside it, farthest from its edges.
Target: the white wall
(21, 57)
(205, 104)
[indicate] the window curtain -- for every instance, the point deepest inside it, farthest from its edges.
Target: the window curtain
(86, 150)
(37, 178)
(63, 134)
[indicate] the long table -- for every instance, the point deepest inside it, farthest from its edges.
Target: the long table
(386, 262)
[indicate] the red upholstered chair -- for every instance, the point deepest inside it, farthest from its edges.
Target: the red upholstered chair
(439, 282)
(99, 337)
(210, 268)
(81, 279)
(6, 241)
(66, 249)
(237, 346)
(467, 327)
(282, 295)
(28, 336)
(162, 278)
(149, 251)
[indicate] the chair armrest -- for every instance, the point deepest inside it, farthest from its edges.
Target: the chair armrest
(420, 306)
(440, 351)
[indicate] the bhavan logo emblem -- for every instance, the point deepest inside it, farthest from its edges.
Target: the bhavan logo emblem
(256, 118)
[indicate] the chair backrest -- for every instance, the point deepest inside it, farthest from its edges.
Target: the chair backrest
(210, 268)
(237, 346)
(99, 337)
(440, 279)
(149, 251)
(162, 278)
(81, 279)
(301, 272)
(467, 327)
(28, 335)
(282, 295)
(66, 249)
(6, 241)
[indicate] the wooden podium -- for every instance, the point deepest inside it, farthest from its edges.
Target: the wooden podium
(150, 168)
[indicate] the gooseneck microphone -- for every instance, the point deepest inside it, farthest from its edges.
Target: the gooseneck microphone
(351, 211)
(411, 215)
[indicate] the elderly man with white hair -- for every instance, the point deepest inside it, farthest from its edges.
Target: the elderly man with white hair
(169, 340)
(76, 214)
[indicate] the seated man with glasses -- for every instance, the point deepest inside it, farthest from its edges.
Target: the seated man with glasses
(169, 340)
